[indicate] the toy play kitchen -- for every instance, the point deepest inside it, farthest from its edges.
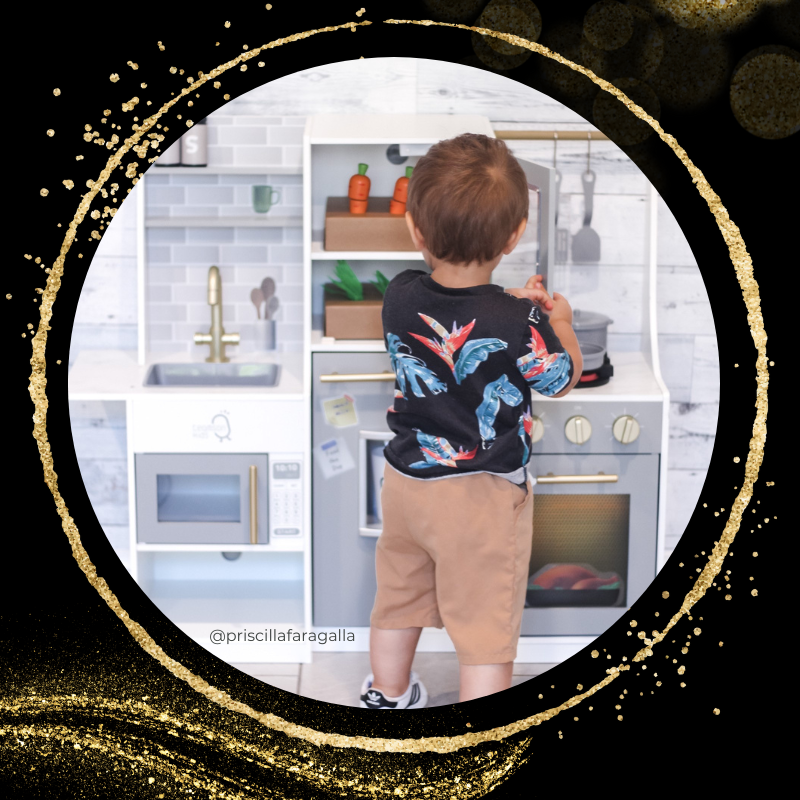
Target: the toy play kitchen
(598, 460)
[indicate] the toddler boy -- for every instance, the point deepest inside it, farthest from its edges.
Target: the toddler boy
(456, 501)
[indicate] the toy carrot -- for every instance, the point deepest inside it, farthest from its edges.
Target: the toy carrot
(398, 202)
(358, 191)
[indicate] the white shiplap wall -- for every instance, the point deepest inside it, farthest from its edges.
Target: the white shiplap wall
(106, 315)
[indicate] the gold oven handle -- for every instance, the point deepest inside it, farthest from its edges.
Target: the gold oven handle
(599, 478)
(335, 377)
(253, 504)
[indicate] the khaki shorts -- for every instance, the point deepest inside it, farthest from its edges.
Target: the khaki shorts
(454, 553)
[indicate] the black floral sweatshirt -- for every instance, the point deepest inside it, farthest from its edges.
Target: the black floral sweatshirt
(465, 361)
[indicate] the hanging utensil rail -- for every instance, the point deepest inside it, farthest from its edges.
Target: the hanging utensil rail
(562, 135)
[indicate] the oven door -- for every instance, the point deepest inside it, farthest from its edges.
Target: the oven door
(593, 547)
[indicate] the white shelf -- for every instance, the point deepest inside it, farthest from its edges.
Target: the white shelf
(226, 170)
(228, 601)
(224, 222)
(288, 546)
(320, 254)
(325, 344)
(392, 128)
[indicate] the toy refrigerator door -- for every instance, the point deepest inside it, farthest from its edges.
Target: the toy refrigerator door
(533, 254)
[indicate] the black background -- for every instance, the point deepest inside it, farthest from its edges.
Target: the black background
(60, 637)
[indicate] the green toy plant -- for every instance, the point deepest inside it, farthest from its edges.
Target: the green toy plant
(380, 282)
(349, 286)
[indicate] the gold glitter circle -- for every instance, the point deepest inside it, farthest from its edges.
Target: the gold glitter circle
(765, 92)
(743, 267)
(638, 57)
(714, 16)
(519, 17)
(454, 10)
(693, 70)
(614, 119)
(608, 24)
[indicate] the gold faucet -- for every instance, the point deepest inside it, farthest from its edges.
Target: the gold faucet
(216, 337)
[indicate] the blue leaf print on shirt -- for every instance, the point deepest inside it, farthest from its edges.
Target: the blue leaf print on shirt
(501, 389)
(473, 354)
(412, 369)
(546, 373)
(439, 452)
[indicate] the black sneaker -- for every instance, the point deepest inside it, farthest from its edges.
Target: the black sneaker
(416, 696)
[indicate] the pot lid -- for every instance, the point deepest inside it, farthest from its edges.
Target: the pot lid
(589, 320)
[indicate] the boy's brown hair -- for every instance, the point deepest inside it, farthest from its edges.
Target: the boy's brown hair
(467, 195)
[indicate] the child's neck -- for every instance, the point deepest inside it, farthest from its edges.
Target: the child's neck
(461, 276)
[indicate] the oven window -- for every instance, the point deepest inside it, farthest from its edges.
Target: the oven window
(579, 553)
(198, 498)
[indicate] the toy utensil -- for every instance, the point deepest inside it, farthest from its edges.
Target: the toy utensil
(257, 298)
(586, 242)
(273, 304)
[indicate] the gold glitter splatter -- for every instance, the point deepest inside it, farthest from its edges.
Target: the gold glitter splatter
(161, 46)
(173, 70)
(44, 192)
(8, 297)
(735, 461)
(727, 597)
(132, 65)
(269, 7)
(50, 132)
(227, 24)
(755, 555)
(594, 654)
(633, 623)
(754, 593)
(114, 77)
(434, 744)
(56, 92)
(716, 711)
(615, 120)
(765, 92)
(608, 24)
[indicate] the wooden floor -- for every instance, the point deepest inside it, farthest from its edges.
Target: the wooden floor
(337, 677)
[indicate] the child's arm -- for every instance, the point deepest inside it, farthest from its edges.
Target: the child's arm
(561, 323)
(535, 292)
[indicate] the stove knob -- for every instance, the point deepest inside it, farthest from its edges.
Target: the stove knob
(578, 429)
(625, 429)
(537, 429)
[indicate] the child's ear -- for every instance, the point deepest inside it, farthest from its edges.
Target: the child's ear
(416, 236)
(513, 240)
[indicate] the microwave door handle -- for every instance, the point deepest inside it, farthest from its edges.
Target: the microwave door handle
(599, 478)
(253, 504)
(335, 377)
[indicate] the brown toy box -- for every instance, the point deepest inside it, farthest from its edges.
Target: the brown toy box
(377, 229)
(354, 319)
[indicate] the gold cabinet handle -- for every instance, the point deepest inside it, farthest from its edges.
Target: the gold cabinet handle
(253, 504)
(335, 377)
(599, 478)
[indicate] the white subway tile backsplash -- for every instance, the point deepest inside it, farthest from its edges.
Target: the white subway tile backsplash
(167, 312)
(286, 134)
(196, 253)
(166, 274)
(259, 235)
(165, 196)
(209, 196)
(250, 119)
(163, 236)
(252, 276)
(158, 254)
(159, 293)
(256, 156)
(190, 293)
(244, 254)
(241, 134)
(209, 235)
(288, 254)
(292, 156)
(199, 179)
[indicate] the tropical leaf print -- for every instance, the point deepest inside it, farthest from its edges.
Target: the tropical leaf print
(525, 428)
(546, 373)
(500, 390)
(438, 452)
(473, 354)
(412, 370)
(450, 341)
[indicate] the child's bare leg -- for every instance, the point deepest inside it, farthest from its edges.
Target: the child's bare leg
(391, 653)
(478, 680)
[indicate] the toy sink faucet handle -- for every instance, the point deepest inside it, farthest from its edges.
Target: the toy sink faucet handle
(398, 202)
(358, 191)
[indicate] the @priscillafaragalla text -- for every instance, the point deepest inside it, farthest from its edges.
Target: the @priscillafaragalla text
(218, 636)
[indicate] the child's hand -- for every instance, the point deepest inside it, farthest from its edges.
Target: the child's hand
(562, 310)
(535, 292)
